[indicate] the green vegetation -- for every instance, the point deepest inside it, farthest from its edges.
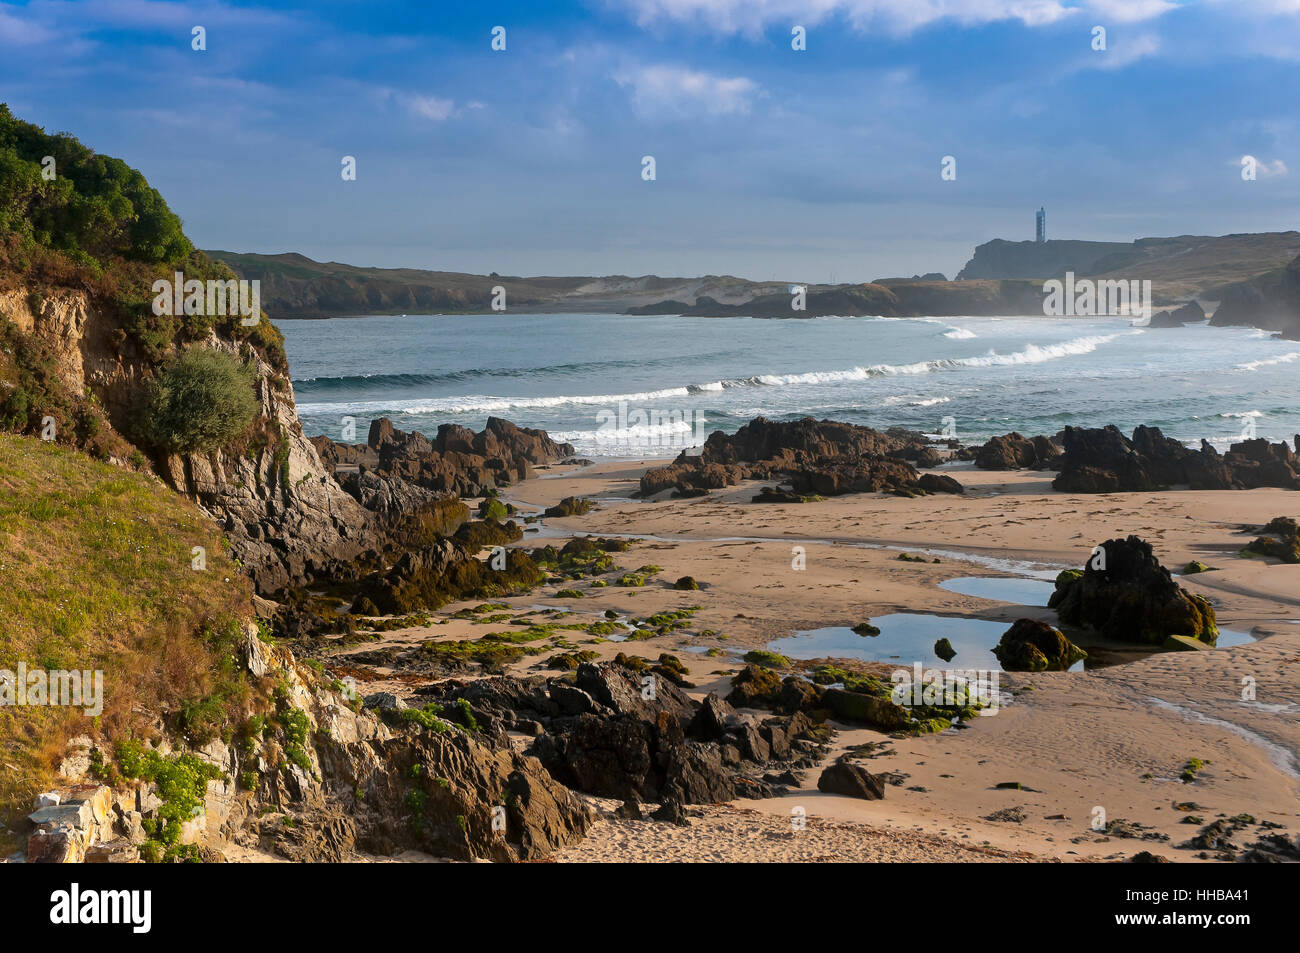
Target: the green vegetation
(767, 659)
(95, 209)
(91, 222)
(426, 717)
(202, 401)
(182, 781)
(97, 569)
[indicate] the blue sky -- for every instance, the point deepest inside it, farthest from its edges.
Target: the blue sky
(771, 163)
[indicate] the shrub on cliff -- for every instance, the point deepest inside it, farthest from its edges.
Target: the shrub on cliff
(202, 401)
(94, 208)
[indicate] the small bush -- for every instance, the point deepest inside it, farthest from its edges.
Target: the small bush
(202, 401)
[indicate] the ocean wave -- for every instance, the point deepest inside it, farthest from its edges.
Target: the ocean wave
(915, 400)
(959, 334)
(480, 403)
(1269, 362)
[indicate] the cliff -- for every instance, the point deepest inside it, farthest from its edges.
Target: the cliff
(1004, 259)
(1271, 301)
(1180, 267)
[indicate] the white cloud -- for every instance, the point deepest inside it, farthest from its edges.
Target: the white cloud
(1264, 169)
(751, 17)
(675, 91)
(1129, 11)
(431, 107)
(1123, 51)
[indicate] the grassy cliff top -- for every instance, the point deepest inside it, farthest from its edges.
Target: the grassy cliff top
(96, 572)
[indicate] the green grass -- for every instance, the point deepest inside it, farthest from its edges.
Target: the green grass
(96, 563)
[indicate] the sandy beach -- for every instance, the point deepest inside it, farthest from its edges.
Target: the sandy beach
(1105, 743)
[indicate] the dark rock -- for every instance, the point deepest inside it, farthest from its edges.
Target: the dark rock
(939, 483)
(630, 810)
(710, 722)
(1130, 597)
(1176, 318)
(825, 457)
(1008, 452)
(1034, 646)
(755, 687)
(1105, 461)
(851, 780)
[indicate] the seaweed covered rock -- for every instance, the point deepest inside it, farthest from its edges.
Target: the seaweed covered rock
(1125, 594)
(754, 686)
(1280, 540)
(443, 572)
(871, 710)
(570, 506)
(1033, 646)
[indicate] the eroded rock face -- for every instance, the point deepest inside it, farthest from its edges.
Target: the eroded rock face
(823, 457)
(1270, 301)
(288, 521)
(1103, 460)
(1125, 594)
(355, 782)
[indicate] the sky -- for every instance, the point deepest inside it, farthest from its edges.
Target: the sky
(811, 165)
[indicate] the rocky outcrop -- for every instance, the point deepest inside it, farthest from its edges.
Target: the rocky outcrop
(823, 457)
(1034, 646)
(851, 780)
(614, 732)
(341, 780)
(1015, 452)
(1271, 301)
(1188, 314)
(1280, 539)
(1123, 593)
(287, 519)
(1105, 461)
(458, 461)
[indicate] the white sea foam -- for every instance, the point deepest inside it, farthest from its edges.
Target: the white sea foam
(959, 334)
(481, 403)
(1270, 362)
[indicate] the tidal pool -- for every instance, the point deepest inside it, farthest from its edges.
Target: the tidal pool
(905, 637)
(1021, 592)
(908, 637)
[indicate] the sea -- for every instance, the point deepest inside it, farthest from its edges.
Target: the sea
(634, 386)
